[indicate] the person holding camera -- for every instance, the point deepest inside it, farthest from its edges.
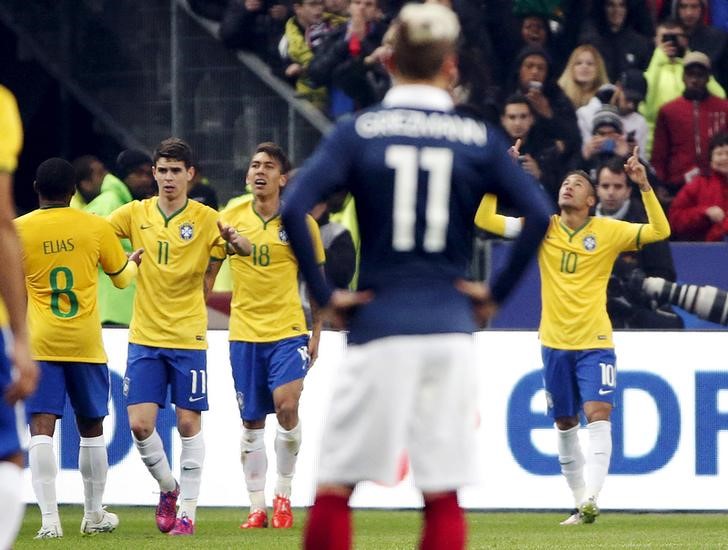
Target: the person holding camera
(684, 128)
(607, 140)
(665, 72)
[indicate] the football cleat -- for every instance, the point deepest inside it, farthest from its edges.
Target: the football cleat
(183, 526)
(589, 510)
(106, 524)
(166, 513)
(53, 531)
(282, 515)
(573, 519)
(257, 519)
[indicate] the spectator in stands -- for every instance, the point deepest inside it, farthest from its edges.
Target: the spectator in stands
(303, 33)
(344, 62)
(199, 189)
(627, 306)
(88, 173)
(256, 26)
(607, 140)
(629, 90)
(533, 79)
(698, 212)
(704, 38)
(583, 75)
(684, 128)
(134, 167)
(539, 153)
(665, 73)
(337, 7)
(621, 31)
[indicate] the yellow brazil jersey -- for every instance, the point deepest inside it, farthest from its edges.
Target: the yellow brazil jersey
(169, 306)
(61, 249)
(575, 266)
(266, 305)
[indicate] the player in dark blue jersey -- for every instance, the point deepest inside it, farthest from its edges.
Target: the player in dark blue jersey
(417, 171)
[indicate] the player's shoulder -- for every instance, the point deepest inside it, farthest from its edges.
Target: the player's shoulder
(239, 209)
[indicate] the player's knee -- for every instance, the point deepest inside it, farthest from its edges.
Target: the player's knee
(141, 429)
(287, 412)
(188, 427)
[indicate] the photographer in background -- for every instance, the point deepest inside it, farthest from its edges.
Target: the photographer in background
(627, 305)
(607, 141)
(665, 72)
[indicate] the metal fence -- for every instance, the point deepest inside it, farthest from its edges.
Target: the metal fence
(148, 69)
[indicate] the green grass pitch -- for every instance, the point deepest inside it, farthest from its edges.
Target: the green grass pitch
(395, 530)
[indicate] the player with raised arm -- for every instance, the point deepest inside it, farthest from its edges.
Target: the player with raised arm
(579, 363)
(18, 371)
(417, 171)
(62, 247)
(168, 331)
(270, 351)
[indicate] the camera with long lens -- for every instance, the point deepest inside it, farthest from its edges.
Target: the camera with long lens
(707, 302)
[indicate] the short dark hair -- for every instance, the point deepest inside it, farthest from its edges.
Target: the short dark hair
(516, 99)
(54, 179)
(584, 175)
(614, 164)
(718, 140)
(275, 151)
(82, 168)
(174, 149)
(670, 23)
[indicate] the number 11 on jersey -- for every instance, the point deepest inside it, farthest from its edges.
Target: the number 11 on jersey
(407, 161)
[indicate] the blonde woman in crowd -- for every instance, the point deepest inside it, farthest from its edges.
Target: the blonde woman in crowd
(584, 73)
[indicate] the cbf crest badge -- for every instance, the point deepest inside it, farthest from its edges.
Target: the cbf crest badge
(283, 236)
(186, 231)
(590, 243)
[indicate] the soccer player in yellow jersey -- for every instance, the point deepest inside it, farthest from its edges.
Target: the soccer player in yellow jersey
(18, 373)
(62, 247)
(167, 335)
(270, 351)
(579, 363)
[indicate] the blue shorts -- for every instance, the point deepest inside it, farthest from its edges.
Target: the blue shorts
(259, 368)
(86, 384)
(573, 377)
(149, 371)
(12, 419)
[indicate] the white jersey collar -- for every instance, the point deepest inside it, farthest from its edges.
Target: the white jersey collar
(418, 96)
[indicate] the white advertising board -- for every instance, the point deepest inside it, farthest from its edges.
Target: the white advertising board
(670, 430)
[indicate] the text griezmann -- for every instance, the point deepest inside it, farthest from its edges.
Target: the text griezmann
(418, 124)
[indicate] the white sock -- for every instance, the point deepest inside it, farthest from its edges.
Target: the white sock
(93, 463)
(43, 470)
(152, 453)
(598, 457)
(571, 460)
(287, 444)
(255, 465)
(191, 460)
(12, 506)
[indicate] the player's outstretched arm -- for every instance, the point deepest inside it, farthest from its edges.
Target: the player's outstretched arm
(239, 244)
(658, 227)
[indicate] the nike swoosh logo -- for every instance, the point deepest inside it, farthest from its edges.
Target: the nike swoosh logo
(145, 226)
(605, 392)
(193, 399)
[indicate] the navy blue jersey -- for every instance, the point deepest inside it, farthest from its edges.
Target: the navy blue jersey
(417, 176)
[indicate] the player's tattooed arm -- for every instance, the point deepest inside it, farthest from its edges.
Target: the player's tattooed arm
(213, 267)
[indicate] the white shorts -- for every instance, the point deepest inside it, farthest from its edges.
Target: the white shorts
(403, 393)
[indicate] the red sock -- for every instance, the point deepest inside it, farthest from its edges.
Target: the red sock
(329, 524)
(444, 525)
